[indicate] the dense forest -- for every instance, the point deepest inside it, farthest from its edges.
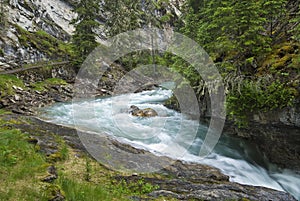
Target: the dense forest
(255, 46)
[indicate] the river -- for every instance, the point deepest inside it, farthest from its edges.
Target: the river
(236, 158)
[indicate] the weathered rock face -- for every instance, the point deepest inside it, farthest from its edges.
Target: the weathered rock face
(277, 135)
(279, 143)
(179, 180)
(52, 17)
(288, 116)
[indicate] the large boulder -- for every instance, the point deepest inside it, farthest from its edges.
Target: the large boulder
(147, 112)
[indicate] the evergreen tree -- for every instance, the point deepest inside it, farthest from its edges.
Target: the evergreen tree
(296, 22)
(231, 31)
(123, 15)
(126, 15)
(275, 13)
(239, 36)
(84, 38)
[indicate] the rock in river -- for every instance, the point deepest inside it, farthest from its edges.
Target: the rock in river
(147, 112)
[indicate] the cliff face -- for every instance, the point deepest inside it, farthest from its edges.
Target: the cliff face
(52, 17)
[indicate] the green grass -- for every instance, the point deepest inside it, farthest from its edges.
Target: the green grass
(22, 167)
(3, 111)
(6, 84)
(42, 86)
(82, 191)
(19, 166)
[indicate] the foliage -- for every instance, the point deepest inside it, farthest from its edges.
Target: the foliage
(296, 29)
(19, 163)
(1, 52)
(252, 96)
(84, 38)
(43, 85)
(79, 191)
(44, 42)
(274, 11)
(242, 38)
(138, 187)
(129, 15)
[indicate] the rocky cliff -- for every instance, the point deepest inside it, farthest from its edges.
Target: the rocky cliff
(24, 17)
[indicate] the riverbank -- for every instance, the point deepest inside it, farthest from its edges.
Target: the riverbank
(275, 133)
(50, 90)
(178, 181)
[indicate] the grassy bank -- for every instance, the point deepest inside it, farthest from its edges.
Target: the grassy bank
(23, 169)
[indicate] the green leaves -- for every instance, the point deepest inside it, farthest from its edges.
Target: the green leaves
(253, 96)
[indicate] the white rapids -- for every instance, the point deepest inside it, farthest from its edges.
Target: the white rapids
(234, 157)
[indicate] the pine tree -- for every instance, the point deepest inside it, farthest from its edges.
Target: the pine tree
(231, 31)
(296, 22)
(275, 13)
(84, 38)
(123, 15)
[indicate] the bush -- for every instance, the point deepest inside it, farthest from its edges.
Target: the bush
(253, 96)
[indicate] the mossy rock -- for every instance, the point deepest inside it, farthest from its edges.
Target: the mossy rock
(286, 48)
(282, 62)
(8, 84)
(55, 157)
(44, 42)
(1, 52)
(53, 192)
(43, 85)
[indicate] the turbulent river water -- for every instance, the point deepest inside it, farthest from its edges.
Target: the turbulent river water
(234, 157)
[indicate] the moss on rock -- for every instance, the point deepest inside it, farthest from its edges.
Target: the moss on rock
(8, 83)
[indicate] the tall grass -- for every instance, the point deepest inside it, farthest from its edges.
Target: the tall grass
(19, 165)
(76, 191)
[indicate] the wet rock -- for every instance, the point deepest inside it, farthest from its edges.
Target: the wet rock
(49, 178)
(52, 174)
(147, 87)
(280, 144)
(147, 112)
(52, 170)
(207, 189)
